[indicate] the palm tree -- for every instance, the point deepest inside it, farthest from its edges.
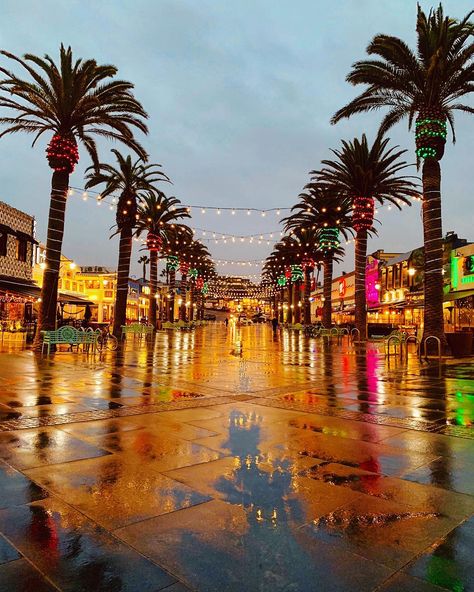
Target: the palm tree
(323, 215)
(144, 260)
(75, 101)
(426, 86)
(365, 175)
(190, 258)
(157, 215)
(128, 178)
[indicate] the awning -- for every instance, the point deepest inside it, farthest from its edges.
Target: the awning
(72, 299)
(28, 288)
(19, 286)
(450, 296)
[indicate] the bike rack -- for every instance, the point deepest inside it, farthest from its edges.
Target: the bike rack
(397, 340)
(422, 346)
(353, 332)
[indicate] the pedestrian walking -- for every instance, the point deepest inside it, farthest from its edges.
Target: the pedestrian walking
(274, 325)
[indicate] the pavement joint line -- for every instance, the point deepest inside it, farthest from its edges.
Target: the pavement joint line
(99, 414)
(410, 424)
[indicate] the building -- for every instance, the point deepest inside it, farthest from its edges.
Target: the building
(459, 300)
(17, 242)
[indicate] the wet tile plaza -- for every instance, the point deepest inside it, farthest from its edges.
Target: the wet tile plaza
(235, 460)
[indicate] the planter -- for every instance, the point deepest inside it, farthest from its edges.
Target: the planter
(460, 343)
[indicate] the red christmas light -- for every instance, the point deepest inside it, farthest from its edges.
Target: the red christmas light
(62, 154)
(153, 242)
(200, 283)
(363, 213)
(184, 267)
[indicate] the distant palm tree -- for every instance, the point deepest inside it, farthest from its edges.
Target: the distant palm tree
(322, 215)
(144, 260)
(128, 178)
(190, 258)
(426, 86)
(157, 216)
(75, 101)
(366, 174)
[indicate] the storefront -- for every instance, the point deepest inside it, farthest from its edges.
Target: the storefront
(459, 300)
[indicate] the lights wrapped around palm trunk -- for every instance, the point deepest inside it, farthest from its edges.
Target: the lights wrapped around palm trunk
(199, 283)
(282, 281)
(363, 213)
(184, 267)
(297, 274)
(307, 262)
(328, 239)
(153, 242)
(62, 154)
(172, 263)
(430, 134)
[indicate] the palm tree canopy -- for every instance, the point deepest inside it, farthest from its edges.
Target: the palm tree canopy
(128, 178)
(360, 170)
(158, 213)
(75, 99)
(434, 78)
(320, 207)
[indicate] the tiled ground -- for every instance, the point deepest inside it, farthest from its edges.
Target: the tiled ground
(229, 460)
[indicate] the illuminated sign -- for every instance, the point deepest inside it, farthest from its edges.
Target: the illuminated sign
(342, 288)
(468, 265)
(372, 286)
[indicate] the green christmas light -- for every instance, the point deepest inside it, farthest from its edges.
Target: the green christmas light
(296, 273)
(172, 263)
(281, 281)
(329, 239)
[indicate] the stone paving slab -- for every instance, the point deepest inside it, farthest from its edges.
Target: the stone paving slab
(216, 460)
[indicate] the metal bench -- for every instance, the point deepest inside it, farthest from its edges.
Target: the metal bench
(137, 329)
(69, 336)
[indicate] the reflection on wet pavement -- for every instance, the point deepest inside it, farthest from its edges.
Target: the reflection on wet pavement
(229, 460)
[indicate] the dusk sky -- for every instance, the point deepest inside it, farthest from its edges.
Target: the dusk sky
(239, 96)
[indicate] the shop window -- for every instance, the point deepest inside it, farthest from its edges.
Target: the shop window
(3, 244)
(21, 249)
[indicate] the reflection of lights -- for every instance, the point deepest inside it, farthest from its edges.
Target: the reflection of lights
(259, 515)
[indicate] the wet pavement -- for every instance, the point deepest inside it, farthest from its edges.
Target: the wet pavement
(231, 460)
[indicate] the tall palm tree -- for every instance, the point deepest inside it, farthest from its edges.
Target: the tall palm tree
(365, 175)
(427, 86)
(325, 214)
(128, 178)
(191, 257)
(75, 101)
(144, 260)
(157, 216)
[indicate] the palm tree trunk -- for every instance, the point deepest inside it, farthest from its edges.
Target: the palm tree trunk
(123, 271)
(182, 312)
(144, 269)
(297, 309)
(153, 286)
(49, 290)
(360, 301)
(289, 316)
(172, 280)
(327, 292)
(433, 240)
(307, 295)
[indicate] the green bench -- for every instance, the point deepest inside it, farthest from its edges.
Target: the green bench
(69, 336)
(137, 329)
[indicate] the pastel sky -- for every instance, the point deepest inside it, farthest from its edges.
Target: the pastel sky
(239, 94)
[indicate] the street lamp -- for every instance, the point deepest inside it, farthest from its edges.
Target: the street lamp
(411, 271)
